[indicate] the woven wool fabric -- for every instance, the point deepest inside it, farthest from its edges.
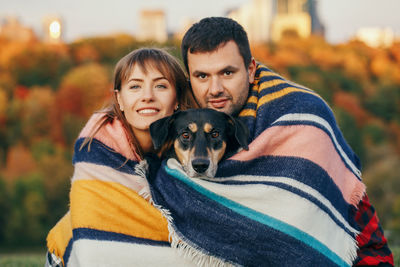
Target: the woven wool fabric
(284, 202)
(109, 222)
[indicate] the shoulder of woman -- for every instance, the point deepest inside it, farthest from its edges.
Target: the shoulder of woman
(112, 134)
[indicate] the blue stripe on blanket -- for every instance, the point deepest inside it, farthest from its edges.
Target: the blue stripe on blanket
(68, 250)
(237, 227)
(299, 169)
(311, 104)
(298, 192)
(350, 154)
(93, 234)
(102, 155)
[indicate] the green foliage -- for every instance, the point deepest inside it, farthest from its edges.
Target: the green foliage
(5, 208)
(374, 132)
(346, 123)
(39, 65)
(24, 226)
(47, 93)
(385, 103)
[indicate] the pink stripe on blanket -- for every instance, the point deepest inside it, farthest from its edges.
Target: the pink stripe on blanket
(311, 143)
(112, 134)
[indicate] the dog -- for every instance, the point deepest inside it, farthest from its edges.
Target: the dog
(199, 139)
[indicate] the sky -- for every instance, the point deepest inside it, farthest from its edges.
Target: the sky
(83, 18)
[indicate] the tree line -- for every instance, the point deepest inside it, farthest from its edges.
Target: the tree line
(47, 93)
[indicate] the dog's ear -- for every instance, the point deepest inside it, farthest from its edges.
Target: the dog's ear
(241, 132)
(159, 130)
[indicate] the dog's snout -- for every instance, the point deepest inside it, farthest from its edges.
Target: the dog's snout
(200, 165)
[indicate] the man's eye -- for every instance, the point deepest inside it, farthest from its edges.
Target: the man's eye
(228, 73)
(214, 134)
(185, 135)
(202, 76)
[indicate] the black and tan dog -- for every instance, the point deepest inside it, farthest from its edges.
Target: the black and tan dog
(199, 139)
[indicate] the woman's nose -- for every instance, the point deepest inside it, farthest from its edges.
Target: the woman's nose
(148, 94)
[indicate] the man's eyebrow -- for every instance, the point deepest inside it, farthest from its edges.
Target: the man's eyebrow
(198, 72)
(229, 68)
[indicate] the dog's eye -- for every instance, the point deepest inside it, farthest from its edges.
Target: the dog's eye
(214, 134)
(185, 135)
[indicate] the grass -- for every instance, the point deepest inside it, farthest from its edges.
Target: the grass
(37, 258)
(22, 259)
(396, 255)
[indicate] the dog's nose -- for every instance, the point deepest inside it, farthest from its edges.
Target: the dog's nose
(200, 165)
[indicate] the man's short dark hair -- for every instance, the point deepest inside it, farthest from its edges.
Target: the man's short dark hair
(209, 33)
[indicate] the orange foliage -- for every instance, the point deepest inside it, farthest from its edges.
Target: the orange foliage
(19, 162)
(395, 130)
(395, 52)
(85, 53)
(351, 104)
(261, 53)
(21, 92)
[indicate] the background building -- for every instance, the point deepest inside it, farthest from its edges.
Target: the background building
(375, 36)
(11, 29)
(152, 26)
(269, 20)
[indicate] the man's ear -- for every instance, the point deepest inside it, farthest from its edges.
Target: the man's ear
(160, 129)
(241, 133)
(251, 70)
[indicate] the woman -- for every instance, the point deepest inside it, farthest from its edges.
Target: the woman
(110, 222)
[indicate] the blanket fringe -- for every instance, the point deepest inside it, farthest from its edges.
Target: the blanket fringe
(141, 169)
(186, 250)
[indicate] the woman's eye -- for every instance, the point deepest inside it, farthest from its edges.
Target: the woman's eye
(214, 134)
(185, 135)
(134, 86)
(162, 86)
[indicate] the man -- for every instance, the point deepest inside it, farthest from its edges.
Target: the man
(217, 57)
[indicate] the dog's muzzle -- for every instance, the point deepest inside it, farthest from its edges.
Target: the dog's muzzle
(200, 165)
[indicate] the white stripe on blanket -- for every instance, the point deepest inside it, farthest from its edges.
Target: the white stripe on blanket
(91, 171)
(293, 210)
(87, 252)
(287, 181)
(325, 124)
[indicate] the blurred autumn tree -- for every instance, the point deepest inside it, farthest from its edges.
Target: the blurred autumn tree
(40, 65)
(47, 93)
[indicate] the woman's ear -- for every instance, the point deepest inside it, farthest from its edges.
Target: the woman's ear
(118, 96)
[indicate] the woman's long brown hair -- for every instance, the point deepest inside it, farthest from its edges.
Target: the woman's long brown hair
(144, 58)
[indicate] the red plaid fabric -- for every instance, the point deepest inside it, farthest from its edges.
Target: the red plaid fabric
(374, 250)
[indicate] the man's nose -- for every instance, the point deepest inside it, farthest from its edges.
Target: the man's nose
(216, 87)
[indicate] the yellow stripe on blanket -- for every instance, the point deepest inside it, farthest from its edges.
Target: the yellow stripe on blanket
(110, 206)
(275, 95)
(59, 237)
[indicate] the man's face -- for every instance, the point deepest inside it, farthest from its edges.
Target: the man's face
(219, 78)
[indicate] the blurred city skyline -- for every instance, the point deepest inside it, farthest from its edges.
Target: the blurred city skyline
(341, 18)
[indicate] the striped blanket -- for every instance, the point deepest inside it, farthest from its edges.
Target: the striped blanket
(285, 202)
(109, 222)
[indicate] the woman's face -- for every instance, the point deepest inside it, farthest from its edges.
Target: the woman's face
(146, 97)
